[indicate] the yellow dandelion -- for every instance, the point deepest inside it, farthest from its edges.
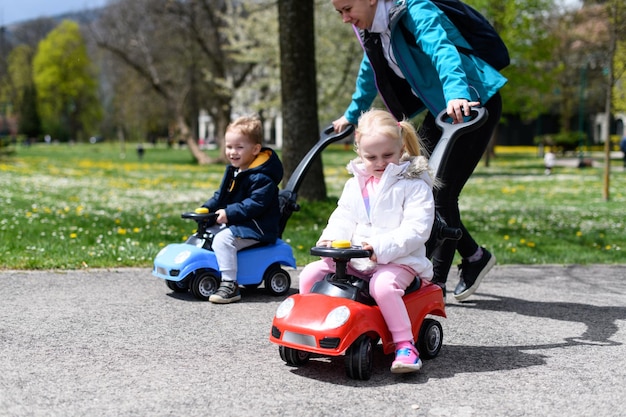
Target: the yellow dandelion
(579, 233)
(121, 231)
(513, 250)
(73, 235)
(531, 244)
(136, 230)
(506, 237)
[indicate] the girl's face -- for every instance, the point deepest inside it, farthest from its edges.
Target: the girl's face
(359, 13)
(239, 149)
(377, 151)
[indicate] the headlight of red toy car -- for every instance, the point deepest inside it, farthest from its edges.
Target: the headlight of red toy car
(284, 308)
(337, 317)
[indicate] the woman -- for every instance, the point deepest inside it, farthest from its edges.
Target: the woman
(411, 59)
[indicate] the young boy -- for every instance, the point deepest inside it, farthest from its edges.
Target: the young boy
(246, 203)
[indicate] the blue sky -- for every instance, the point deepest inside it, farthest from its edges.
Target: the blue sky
(13, 11)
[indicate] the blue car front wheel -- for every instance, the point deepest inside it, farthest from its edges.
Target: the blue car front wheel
(204, 284)
(277, 280)
(176, 286)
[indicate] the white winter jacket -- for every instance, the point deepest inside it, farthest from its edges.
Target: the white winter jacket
(401, 215)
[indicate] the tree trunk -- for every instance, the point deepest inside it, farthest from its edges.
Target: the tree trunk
(614, 21)
(299, 92)
(490, 152)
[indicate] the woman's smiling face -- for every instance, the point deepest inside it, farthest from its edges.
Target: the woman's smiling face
(359, 13)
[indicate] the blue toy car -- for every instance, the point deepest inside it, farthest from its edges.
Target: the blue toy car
(192, 266)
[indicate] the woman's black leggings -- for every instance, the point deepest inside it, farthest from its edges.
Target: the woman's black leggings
(466, 153)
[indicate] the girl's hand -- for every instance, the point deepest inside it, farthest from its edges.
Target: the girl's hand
(460, 107)
(369, 247)
(324, 243)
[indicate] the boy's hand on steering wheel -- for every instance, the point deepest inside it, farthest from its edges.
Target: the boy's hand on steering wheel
(221, 216)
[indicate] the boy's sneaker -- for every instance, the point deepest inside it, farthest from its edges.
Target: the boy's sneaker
(407, 359)
(472, 273)
(228, 292)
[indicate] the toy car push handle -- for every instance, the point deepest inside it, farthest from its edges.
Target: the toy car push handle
(450, 133)
(327, 137)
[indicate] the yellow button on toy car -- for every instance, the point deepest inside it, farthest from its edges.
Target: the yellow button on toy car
(341, 244)
(202, 210)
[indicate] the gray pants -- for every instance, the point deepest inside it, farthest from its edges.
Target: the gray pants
(226, 245)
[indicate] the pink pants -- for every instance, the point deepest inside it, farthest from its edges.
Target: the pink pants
(387, 284)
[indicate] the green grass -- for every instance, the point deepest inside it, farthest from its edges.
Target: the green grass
(69, 207)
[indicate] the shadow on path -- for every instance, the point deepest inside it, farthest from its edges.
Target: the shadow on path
(455, 359)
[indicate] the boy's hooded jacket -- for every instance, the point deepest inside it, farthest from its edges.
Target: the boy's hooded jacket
(250, 198)
(400, 219)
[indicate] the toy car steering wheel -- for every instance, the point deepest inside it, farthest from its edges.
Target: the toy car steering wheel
(341, 255)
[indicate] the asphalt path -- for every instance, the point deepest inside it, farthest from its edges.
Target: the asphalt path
(534, 341)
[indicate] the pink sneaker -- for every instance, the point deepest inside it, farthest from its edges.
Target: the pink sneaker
(407, 359)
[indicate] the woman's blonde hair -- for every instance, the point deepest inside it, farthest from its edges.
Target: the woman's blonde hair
(382, 122)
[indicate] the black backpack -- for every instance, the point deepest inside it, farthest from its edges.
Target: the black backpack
(477, 31)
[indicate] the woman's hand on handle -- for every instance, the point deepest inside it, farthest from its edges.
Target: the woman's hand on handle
(459, 108)
(340, 124)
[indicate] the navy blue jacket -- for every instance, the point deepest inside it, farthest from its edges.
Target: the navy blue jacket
(251, 198)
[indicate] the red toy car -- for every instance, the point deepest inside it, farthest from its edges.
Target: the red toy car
(339, 316)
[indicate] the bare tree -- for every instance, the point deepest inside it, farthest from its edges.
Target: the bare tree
(191, 53)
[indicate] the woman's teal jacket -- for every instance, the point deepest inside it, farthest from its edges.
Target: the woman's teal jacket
(436, 71)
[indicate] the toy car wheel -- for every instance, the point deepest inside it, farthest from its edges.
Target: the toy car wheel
(293, 357)
(359, 358)
(176, 286)
(277, 280)
(204, 284)
(430, 339)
